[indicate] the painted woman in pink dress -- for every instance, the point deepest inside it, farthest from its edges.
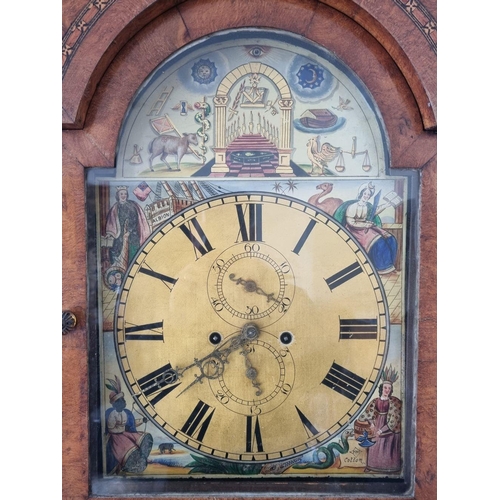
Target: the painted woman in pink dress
(383, 416)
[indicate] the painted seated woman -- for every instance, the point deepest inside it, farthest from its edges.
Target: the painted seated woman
(361, 218)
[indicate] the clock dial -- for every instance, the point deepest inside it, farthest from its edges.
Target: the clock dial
(251, 327)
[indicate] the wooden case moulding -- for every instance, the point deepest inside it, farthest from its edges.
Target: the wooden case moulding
(200, 119)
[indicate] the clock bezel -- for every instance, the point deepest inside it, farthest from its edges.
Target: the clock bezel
(233, 199)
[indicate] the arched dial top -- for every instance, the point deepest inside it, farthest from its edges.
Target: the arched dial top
(251, 327)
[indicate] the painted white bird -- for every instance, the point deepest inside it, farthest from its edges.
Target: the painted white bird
(343, 104)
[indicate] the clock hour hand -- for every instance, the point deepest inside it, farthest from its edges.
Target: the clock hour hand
(250, 332)
(251, 372)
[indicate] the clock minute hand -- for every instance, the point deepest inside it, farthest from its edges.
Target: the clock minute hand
(211, 366)
(198, 378)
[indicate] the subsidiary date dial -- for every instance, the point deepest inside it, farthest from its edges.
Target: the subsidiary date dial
(258, 380)
(251, 281)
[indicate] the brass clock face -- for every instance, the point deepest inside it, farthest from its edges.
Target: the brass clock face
(251, 327)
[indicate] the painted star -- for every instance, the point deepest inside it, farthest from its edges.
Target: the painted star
(292, 186)
(277, 187)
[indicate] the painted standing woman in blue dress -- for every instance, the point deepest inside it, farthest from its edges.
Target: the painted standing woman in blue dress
(361, 218)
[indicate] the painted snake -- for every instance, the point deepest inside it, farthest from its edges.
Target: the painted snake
(317, 463)
(201, 118)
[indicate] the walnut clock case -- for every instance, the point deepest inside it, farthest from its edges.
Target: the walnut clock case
(252, 273)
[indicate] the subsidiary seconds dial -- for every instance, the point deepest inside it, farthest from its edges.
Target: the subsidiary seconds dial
(251, 281)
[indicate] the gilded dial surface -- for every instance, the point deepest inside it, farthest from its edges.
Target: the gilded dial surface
(251, 327)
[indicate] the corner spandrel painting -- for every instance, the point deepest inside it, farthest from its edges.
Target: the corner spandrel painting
(251, 111)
